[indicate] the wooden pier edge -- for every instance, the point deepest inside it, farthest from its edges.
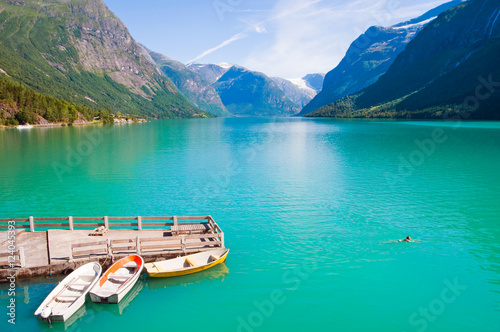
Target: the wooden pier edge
(71, 223)
(188, 238)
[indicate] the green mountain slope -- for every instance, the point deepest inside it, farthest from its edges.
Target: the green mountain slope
(451, 68)
(21, 105)
(78, 50)
(194, 87)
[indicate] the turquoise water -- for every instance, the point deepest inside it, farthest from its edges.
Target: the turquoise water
(308, 206)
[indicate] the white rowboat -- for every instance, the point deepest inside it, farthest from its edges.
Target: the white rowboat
(69, 295)
(118, 280)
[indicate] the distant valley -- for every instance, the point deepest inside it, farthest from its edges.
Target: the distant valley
(265, 97)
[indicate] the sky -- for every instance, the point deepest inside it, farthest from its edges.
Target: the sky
(282, 38)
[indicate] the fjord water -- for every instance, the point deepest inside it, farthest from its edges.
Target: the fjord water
(309, 208)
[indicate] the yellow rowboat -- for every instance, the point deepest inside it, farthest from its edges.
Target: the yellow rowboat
(188, 264)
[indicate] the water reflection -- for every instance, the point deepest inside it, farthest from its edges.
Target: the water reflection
(217, 272)
(64, 326)
(118, 309)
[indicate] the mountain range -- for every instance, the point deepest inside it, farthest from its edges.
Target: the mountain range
(79, 51)
(249, 93)
(450, 69)
(369, 57)
(72, 60)
(298, 91)
(192, 85)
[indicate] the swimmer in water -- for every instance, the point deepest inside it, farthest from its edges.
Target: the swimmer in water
(408, 239)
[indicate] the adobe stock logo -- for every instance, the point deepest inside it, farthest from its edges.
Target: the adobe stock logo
(226, 6)
(407, 165)
(424, 149)
(421, 318)
(484, 90)
(292, 280)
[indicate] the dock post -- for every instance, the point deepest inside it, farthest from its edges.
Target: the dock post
(106, 222)
(138, 245)
(48, 247)
(70, 221)
(110, 250)
(222, 240)
(175, 221)
(32, 224)
(139, 223)
(183, 243)
(21, 257)
(70, 253)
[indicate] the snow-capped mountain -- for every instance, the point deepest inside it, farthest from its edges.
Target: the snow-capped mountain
(441, 74)
(369, 57)
(211, 72)
(300, 90)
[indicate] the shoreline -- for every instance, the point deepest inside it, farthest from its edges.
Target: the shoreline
(58, 125)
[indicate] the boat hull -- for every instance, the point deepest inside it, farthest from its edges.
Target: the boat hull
(115, 298)
(168, 274)
(67, 315)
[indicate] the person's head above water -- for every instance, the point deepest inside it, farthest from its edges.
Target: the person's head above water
(408, 239)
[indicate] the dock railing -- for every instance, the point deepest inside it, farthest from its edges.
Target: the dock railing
(74, 223)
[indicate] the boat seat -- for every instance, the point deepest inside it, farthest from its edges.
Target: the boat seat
(190, 260)
(158, 267)
(104, 293)
(66, 299)
(213, 258)
(118, 278)
(130, 265)
(76, 287)
(78, 284)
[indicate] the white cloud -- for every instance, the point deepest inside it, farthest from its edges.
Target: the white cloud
(306, 36)
(313, 36)
(260, 29)
(234, 38)
(256, 27)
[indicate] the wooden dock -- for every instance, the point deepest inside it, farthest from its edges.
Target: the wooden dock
(45, 246)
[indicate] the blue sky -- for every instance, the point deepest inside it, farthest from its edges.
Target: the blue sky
(284, 38)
